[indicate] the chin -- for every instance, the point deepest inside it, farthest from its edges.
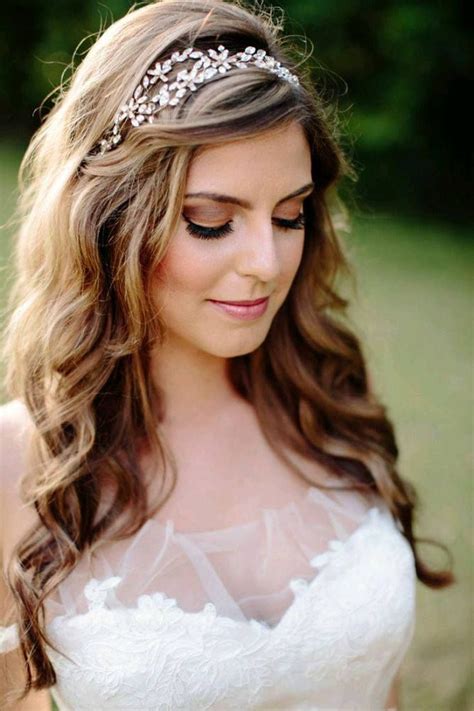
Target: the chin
(232, 350)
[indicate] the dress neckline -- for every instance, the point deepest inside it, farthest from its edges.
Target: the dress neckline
(292, 505)
(95, 590)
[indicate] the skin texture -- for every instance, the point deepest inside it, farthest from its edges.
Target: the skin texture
(257, 259)
(203, 414)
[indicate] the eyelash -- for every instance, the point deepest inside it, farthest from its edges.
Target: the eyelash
(203, 232)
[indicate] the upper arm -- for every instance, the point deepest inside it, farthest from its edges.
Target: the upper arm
(393, 698)
(15, 519)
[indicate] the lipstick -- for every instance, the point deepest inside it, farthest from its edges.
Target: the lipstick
(243, 310)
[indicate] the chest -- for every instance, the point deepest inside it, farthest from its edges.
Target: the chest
(338, 644)
(228, 472)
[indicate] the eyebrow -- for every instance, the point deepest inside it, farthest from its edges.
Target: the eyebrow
(218, 197)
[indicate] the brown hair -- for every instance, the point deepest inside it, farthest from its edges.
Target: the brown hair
(93, 230)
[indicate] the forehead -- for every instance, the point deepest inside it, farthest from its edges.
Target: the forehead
(280, 158)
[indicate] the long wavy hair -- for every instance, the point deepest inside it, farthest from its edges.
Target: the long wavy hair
(81, 325)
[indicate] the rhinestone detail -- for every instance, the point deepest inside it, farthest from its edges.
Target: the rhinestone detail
(146, 101)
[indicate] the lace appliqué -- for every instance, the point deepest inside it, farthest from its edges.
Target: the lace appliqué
(97, 591)
(337, 646)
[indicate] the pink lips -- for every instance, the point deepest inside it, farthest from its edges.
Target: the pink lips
(243, 303)
(243, 310)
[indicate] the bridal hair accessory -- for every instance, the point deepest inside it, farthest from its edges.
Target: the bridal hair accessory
(147, 101)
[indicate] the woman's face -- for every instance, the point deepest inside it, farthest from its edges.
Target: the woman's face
(258, 252)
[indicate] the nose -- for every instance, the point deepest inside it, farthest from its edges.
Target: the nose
(258, 256)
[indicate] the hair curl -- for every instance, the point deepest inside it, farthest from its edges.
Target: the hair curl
(93, 230)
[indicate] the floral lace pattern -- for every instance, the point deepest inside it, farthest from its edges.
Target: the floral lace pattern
(337, 645)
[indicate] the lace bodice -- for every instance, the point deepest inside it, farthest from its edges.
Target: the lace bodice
(311, 606)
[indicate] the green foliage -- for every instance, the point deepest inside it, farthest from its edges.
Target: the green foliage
(397, 69)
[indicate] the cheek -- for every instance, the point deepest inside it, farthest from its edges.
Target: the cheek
(184, 270)
(292, 256)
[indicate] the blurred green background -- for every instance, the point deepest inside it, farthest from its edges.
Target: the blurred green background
(397, 72)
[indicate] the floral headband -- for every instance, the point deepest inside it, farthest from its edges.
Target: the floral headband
(148, 100)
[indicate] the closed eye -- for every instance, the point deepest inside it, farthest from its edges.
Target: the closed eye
(203, 232)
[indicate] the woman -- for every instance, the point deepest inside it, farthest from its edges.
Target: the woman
(188, 168)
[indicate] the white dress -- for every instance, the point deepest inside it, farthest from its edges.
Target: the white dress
(312, 606)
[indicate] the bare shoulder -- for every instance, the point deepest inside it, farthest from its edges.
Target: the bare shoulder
(15, 430)
(14, 415)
